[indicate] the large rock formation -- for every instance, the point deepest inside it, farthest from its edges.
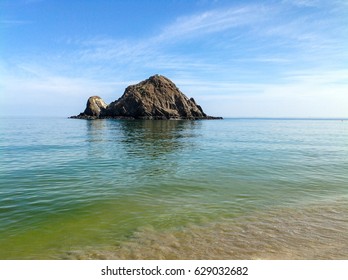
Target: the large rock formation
(155, 98)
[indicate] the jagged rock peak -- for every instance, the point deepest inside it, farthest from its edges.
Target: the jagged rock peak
(155, 98)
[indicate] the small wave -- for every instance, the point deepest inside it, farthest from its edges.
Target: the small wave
(311, 232)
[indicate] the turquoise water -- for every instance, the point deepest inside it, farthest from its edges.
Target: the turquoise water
(151, 189)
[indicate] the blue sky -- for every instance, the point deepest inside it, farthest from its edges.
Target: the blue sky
(236, 58)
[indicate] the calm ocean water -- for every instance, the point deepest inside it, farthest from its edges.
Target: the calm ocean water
(222, 189)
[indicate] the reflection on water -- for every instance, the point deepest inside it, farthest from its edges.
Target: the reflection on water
(147, 147)
(152, 139)
(142, 138)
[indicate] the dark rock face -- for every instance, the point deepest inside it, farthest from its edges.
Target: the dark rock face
(155, 98)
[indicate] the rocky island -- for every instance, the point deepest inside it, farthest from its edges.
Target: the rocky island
(155, 98)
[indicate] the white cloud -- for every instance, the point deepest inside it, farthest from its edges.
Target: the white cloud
(34, 90)
(319, 77)
(268, 28)
(181, 29)
(303, 3)
(290, 100)
(214, 21)
(7, 23)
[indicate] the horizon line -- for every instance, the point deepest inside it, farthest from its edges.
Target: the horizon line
(224, 117)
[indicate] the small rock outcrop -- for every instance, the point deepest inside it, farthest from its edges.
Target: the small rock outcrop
(95, 105)
(155, 98)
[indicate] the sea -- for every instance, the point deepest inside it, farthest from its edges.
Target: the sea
(176, 189)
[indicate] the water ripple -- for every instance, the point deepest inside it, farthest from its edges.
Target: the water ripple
(100, 181)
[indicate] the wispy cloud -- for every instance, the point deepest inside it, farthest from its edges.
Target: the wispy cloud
(304, 37)
(39, 82)
(303, 3)
(214, 21)
(183, 28)
(6, 23)
(39, 91)
(32, 1)
(292, 99)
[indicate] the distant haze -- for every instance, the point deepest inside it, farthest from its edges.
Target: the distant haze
(235, 58)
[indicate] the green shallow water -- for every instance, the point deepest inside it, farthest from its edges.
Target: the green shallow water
(104, 188)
